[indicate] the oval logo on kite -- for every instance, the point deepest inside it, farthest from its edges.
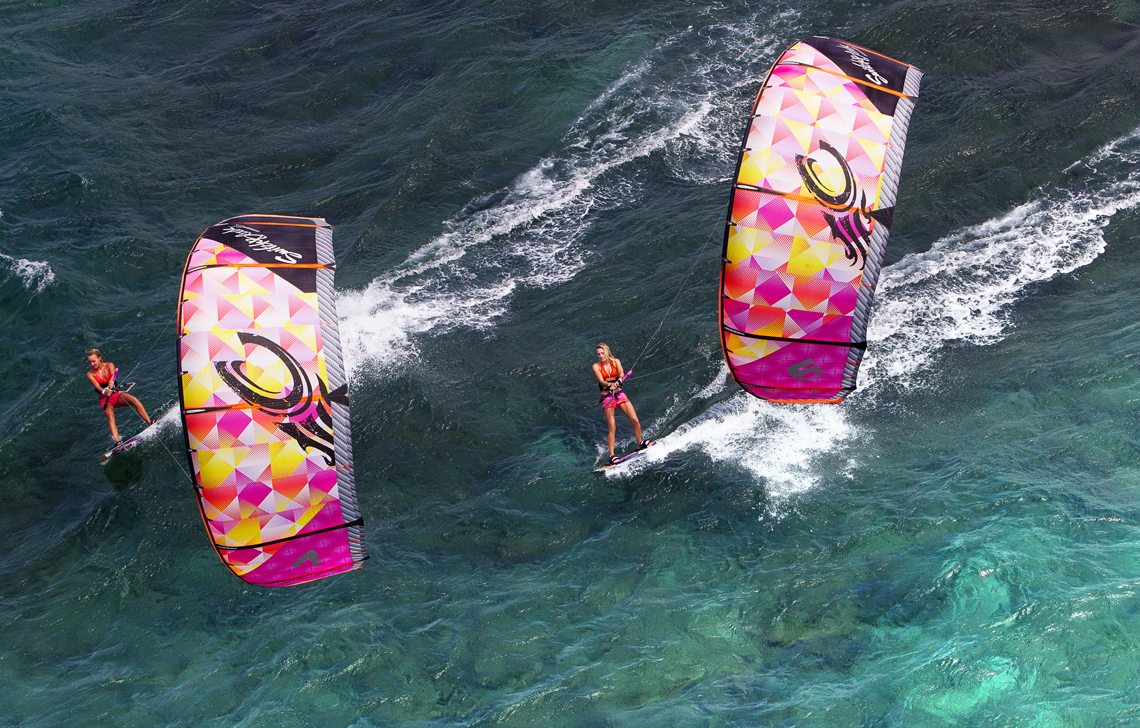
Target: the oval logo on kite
(303, 409)
(830, 180)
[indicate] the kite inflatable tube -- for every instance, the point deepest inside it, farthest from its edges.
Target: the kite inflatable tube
(811, 209)
(264, 400)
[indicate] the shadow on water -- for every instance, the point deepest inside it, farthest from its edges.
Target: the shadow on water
(126, 469)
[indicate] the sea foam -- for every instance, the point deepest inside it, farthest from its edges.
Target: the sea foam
(35, 274)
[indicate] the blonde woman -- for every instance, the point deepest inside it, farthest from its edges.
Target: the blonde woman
(610, 374)
(102, 376)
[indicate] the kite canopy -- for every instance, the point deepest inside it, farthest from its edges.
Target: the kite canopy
(811, 209)
(264, 400)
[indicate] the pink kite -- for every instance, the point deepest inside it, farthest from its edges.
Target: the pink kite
(265, 400)
(812, 204)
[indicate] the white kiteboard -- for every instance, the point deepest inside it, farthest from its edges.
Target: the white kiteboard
(625, 458)
(127, 444)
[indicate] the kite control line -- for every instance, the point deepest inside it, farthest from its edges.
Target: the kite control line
(684, 283)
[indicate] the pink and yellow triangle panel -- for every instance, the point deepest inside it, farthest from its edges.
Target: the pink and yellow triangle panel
(264, 400)
(812, 202)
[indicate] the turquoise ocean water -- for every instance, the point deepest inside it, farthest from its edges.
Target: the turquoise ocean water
(511, 182)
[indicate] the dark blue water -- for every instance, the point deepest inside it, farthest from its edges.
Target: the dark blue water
(512, 182)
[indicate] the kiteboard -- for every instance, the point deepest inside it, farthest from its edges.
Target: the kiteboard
(625, 458)
(127, 444)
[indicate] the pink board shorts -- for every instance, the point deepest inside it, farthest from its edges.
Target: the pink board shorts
(610, 401)
(113, 399)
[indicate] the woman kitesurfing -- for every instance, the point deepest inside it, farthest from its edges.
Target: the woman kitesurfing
(102, 376)
(610, 375)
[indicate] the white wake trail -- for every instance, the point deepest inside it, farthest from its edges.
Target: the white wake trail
(532, 235)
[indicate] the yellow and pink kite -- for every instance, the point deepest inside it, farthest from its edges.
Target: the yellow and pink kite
(812, 205)
(264, 400)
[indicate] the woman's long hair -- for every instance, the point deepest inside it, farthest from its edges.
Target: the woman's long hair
(605, 350)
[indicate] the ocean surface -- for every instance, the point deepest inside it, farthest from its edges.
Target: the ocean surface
(511, 182)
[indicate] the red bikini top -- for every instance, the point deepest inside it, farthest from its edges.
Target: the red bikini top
(106, 381)
(609, 370)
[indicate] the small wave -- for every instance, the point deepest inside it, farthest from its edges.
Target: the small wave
(33, 273)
